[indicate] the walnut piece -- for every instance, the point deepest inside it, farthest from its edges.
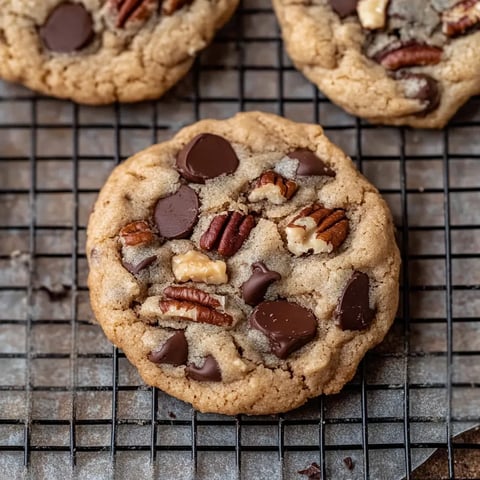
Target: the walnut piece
(136, 234)
(272, 187)
(372, 13)
(409, 55)
(198, 267)
(317, 229)
(461, 17)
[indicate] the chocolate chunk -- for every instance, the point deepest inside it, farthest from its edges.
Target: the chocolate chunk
(177, 214)
(174, 351)
(421, 87)
(68, 28)
(287, 325)
(139, 266)
(348, 463)
(255, 288)
(313, 472)
(206, 156)
(353, 311)
(310, 164)
(344, 8)
(208, 372)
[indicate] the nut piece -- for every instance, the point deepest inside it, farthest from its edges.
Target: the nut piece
(461, 17)
(128, 10)
(195, 305)
(317, 229)
(273, 187)
(227, 232)
(171, 6)
(372, 13)
(409, 55)
(136, 233)
(198, 267)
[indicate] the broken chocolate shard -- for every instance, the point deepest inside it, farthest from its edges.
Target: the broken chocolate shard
(135, 269)
(174, 351)
(255, 288)
(310, 164)
(208, 372)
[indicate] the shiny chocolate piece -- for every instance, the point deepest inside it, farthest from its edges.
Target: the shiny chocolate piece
(68, 28)
(255, 288)
(344, 8)
(177, 214)
(353, 311)
(310, 164)
(139, 266)
(422, 87)
(208, 372)
(174, 351)
(206, 156)
(288, 326)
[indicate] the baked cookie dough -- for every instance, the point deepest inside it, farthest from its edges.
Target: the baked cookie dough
(244, 266)
(398, 62)
(102, 51)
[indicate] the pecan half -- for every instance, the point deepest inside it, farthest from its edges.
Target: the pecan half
(195, 305)
(409, 55)
(317, 229)
(461, 17)
(273, 187)
(128, 10)
(136, 233)
(227, 233)
(171, 6)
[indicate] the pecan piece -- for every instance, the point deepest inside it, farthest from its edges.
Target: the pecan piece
(136, 233)
(128, 10)
(461, 17)
(273, 187)
(317, 229)
(409, 55)
(227, 233)
(171, 6)
(372, 13)
(195, 305)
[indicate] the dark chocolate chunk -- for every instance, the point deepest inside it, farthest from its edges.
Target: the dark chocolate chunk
(344, 8)
(353, 311)
(255, 288)
(139, 266)
(177, 214)
(313, 472)
(208, 372)
(421, 87)
(310, 164)
(348, 463)
(174, 351)
(206, 156)
(68, 28)
(288, 326)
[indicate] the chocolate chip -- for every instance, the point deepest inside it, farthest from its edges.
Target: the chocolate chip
(255, 288)
(348, 463)
(421, 87)
(344, 8)
(68, 28)
(174, 351)
(353, 311)
(206, 156)
(287, 325)
(310, 164)
(177, 214)
(313, 472)
(208, 372)
(139, 266)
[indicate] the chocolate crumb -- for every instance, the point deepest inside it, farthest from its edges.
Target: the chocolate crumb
(56, 292)
(313, 472)
(349, 463)
(172, 415)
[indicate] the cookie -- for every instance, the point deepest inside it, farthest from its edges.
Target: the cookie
(102, 51)
(244, 266)
(395, 62)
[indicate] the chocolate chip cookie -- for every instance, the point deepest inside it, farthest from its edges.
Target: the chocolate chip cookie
(398, 62)
(102, 51)
(244, 266)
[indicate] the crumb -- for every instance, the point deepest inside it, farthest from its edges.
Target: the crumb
(349, 463)
(172, 415)
(313, 472)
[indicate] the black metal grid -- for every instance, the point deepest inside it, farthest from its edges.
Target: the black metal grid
(31, 432)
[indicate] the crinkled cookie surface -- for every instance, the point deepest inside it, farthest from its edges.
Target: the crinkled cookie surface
(244, 266)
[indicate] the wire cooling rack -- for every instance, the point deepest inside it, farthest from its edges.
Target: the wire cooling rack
(70, 404)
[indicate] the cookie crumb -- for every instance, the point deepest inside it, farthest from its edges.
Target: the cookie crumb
(313, 472)
(349, 463)
(172, 415)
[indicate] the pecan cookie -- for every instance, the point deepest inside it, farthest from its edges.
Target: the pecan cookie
(102, 51)
(244, 266)
(398, 62)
